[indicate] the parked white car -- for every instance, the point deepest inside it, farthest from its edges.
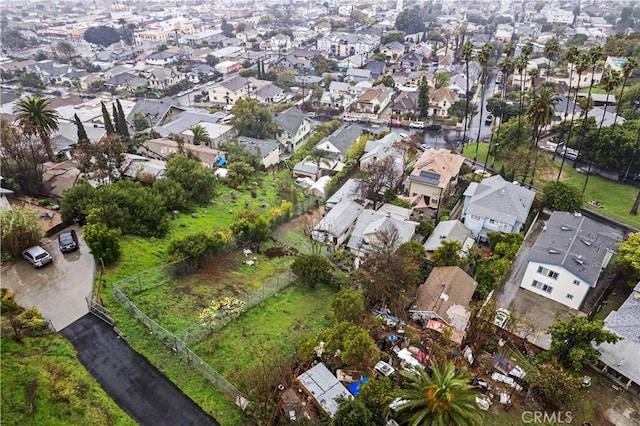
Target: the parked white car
(417, 124)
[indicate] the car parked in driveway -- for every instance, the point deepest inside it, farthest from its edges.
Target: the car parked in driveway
(417, 124)
(37, 256)
(68, 241)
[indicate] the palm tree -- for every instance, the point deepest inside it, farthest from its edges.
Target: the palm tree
(630, 65)
(320, 156)
(572, 56)
(200, 135)
(442, 398)
(35, 117)
(508, 50)
(533, 75)
(610, 81)
(551, 49)
(467, 54)
(596, 54)
(483, 59)
(506, 67)
(521, 66)
(539, 115)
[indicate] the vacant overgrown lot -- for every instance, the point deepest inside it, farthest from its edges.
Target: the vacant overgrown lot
(177, 303)
(43, 383)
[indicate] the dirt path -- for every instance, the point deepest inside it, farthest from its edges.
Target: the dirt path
(133, 383)
(295, 233)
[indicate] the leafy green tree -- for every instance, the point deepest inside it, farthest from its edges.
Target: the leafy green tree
(78, 200)
(318, 157)
(448, 254)
(628, 259)
(312, 270)
(211, 60)
(197, 180)
(411, 21)
(560, 196)
(173, 195)
(237, 152)
(441, 397)
(108, 124)
(103, 242)
(140, 121)
(387, 80)
(423, 97)
(195, 246)
(249, 226)
(21, 228)
(239, 172)
(31, 79)
(376, 395)
(351, 412)
(357, 348)
(102, 35)
(573, 340)
(21, 160)
(21, 320)
(348, 305)
(36, 117)
(66, 49)
(554, 387)
(252, 120)
(628, 68)
(323, 65)
(426, 227)
(441, 79)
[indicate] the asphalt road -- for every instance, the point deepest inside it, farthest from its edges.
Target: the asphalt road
(133, 383)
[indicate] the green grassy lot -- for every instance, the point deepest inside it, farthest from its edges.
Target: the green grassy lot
(615, 197)
(277, 325)
(64, 393)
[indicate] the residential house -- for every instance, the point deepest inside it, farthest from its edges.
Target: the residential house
(585, 79)
(445, 297)
(380, 231)
(162, 78)
(435, 176)
(156, 111)
(268, 94)
(568, 257)
(227, 92)
(143, 169)
(382, 149)
(293, 128)
(414, 78)
(620, 360)
(163, 149)
(280, 43)
(412, 61)
(183, 122)
(393, 50)
(372, 101)
(120, 82)
(164, 58)
(339, 142)
(440, 100)
(495, 205)
(268, 150)
(347, 44)
(324, 388)
(357, 75)
(406, 103)
(348, 191)
(449, 230)
(336, 226)
(377, 69)
(228, 67)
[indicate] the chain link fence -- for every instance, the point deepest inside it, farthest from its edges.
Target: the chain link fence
(181, 349)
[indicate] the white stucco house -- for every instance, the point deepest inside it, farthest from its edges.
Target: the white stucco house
(568, 257)
(495, 205)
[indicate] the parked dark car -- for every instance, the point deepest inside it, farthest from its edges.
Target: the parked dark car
(435, 127)
(68, 241)
(37, 256)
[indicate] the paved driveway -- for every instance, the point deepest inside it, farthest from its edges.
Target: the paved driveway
(59, 289)
(133, 383)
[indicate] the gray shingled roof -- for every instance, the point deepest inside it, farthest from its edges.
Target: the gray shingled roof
(449, 230)
(623, 356)
(577, 243)
(261, 146)
(344, 137)
(290, 120)
(370, 222)
(234, 84)
(500, 200)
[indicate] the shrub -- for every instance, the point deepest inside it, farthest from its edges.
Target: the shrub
(103, 242)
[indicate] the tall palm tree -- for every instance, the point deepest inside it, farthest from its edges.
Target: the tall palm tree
(466, 55)
(551, 49)
(483, 59)
(596, 54)
(508, 50)
(571, 56)
(630, 65)
(200, 135)
(610, 81)
(506, 67)
(320, 156)
(581, 64)
(539, 115)
(533, 75)
(442, 398)
(521, 66)
(36, 117)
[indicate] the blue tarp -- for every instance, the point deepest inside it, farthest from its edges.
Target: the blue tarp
(354, 388)
(221, 161)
